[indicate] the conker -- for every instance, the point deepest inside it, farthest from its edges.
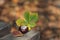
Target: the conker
(23, 29)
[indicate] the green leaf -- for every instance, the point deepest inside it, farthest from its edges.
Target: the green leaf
(32, 25)
(25, 23)
(34, 17)
(30, 20)
(19, 22)
(26, 16)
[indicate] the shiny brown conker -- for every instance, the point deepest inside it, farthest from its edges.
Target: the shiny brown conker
(23, 29)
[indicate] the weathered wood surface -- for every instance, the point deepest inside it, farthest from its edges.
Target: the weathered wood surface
(32, 35)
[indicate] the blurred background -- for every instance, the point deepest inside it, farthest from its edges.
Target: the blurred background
(48, 10)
